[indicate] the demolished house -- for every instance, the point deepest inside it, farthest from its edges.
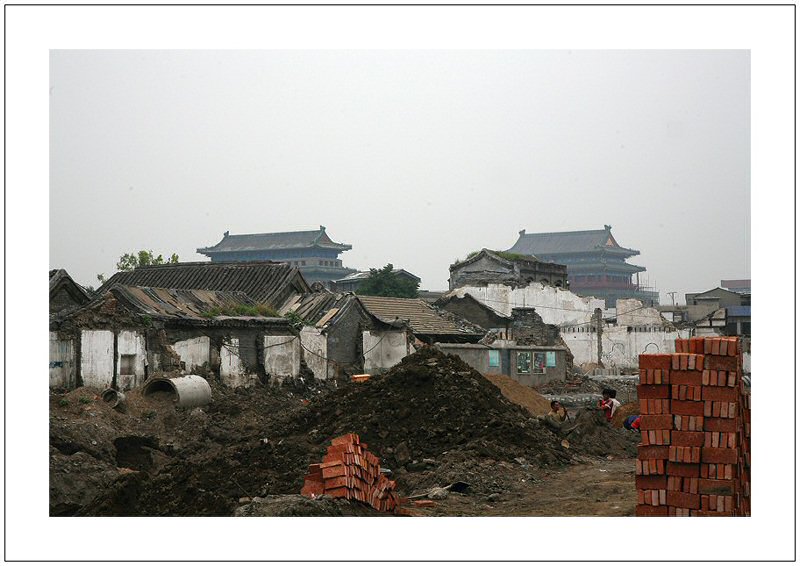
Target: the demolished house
(521, 346)
(413, 322)
(65, 293)
(487, 266)
(592, 334)
(265, 282)
(126, 334)
(339, 337)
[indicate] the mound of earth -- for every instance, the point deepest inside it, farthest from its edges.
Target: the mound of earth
(623, 413)
(522, 395)
(429, 404)
(593, 435)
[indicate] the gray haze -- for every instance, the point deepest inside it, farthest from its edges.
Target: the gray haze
(413, 157)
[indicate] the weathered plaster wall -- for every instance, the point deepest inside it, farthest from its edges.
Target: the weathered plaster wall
(621, 348)
(344, 341)
(131, 343)
(632, 312)
(194, 352)
(282, 356)
(97, 358)
(315, 351)
(383, 349)
(554, 304)
(62, 362)
(233, 370)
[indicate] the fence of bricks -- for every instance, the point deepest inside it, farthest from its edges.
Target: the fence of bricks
(694, 458)
(350, 471)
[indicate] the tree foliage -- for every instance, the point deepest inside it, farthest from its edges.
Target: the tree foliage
(129, 262)
(384, 283)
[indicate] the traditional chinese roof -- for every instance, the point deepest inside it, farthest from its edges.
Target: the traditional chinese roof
(274, 241)
(421, 316)
(361, 275)
(554, 243)
(264, 282)
(322, 308)
(192, 306)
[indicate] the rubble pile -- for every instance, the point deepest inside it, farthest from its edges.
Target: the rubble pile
(350, 471)
(694, 458)
(430, 404)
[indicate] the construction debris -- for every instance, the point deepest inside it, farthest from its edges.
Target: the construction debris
(350, 471)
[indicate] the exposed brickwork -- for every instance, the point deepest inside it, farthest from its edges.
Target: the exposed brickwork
(694, 458)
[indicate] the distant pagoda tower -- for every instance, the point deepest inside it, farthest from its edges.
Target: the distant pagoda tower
(595, 263)
(311, 251)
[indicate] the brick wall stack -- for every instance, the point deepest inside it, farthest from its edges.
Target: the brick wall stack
(694, 456)
(350, 471)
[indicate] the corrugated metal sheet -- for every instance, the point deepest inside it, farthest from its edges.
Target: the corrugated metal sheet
(264, 282)
(738, 311)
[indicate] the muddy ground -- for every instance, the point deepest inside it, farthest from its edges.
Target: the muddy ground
(432, 420)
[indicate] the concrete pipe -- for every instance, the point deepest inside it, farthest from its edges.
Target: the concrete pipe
(189, 390)
(113, 397)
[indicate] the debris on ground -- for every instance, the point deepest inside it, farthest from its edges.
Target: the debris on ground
(432, 419)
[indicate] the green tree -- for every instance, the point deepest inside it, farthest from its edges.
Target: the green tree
(384, 283)
(129, 262)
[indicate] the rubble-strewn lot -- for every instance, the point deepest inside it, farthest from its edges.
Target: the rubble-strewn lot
(432, 420)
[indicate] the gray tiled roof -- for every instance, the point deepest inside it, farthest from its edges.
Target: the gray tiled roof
(263, 281)
(421, 316)
(314, 307)
(275, 241)
(567, 242)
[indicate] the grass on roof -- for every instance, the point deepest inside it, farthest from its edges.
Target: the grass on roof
(238, 309)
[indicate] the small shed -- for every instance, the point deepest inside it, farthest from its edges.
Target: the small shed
(529, 365)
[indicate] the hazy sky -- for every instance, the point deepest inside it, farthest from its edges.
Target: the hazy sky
(412, 157)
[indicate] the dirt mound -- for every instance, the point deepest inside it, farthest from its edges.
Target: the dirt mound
(429, 404)
(623, 413)
(522, 395)
(300, 506)
(592, 434)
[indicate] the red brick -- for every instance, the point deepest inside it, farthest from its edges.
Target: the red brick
(716, 487)
(720, 455)
(647, 452)
(651, 482)
(655, 361)
(685, 438)
(683, 470)
(726, 394)
(724, 363)
(653, 391)
(687, 408)
(338, 492)
(655, 422)
(651, 511)
(686, 377)
(733, 346)
(683, 499)
(350, 438)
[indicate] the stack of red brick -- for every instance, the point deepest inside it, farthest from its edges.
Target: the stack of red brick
(349, 471)
(694, 458)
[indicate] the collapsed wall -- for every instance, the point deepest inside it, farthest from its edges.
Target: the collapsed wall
(694, 458)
